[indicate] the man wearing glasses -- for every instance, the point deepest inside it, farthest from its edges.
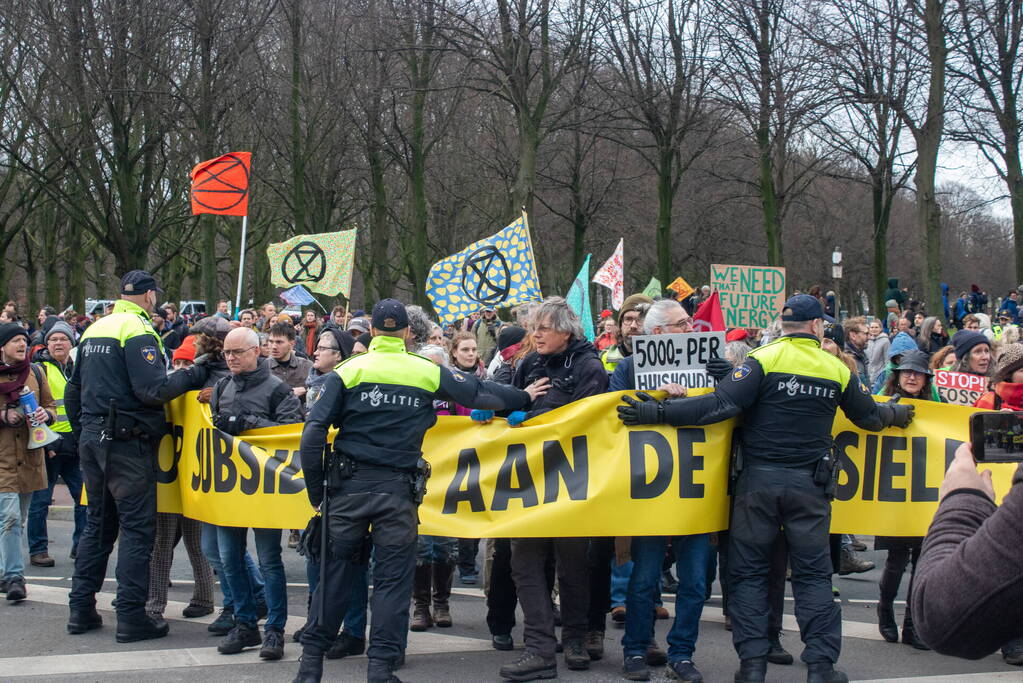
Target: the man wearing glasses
(249, 398)
(692, 553)
(630, 323)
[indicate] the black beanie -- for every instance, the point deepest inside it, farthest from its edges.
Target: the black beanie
(509, 335)
(965, 340)
(9, 331)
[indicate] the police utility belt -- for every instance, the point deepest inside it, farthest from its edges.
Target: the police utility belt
(343, 467)
(825, 470)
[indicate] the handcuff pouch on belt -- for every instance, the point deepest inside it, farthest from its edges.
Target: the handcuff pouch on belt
(826, 472)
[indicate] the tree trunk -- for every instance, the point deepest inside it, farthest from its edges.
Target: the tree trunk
(928, 141)
(297, 162)
(881, 213)
(418, 209)
(769, 199)
(665, 202)
(525, 180)
(31, 279)
(52, 279)
(379, 234)
(1014, 183)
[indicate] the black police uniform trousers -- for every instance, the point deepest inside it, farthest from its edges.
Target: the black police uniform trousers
(769, 497)
(120, 481)
(377, 503)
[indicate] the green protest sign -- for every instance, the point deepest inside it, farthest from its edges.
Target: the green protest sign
(751, 296)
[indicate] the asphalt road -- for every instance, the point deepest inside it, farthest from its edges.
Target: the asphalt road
(35, 643)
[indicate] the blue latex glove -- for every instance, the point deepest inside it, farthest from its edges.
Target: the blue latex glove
(516, 418)
(479, 415)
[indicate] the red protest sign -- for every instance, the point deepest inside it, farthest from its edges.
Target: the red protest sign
(959, 388)
(221, 185)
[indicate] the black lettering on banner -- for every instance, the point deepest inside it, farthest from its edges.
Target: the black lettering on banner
(504, 492)
(250, 484)
(555, 464)
(920, 491)
(289, 482)
(638, 442)
(886, 491)
(849, 489)
(468, 470)
(689, 463)
(224, 471)
(270, 467)
(951, 446)
(202, 477)
(177, 436)
(869, 467)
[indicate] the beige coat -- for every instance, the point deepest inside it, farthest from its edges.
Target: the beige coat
(23, 470)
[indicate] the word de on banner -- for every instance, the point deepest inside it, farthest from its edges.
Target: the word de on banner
(751, 296)
(221, 186)
(959, 388)
(574, 471)
(496, 272)
(322, 262)
(675, 358)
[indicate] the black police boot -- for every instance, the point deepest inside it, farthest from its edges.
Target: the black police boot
(886, 622)
(82, 620)
(777, 654)
(133, 629)
(310, 668)
(824, 672)
(346, 645)
(379, 671)
(752, 670)
(909, 636)
(240, 637)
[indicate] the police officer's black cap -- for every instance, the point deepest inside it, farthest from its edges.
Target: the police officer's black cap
(389, 315)
(138, 282)
(802, 308)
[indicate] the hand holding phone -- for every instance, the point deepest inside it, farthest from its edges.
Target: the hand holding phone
(997, 437)
(962, 474)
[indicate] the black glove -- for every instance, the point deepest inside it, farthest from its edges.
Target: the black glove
(233, 424)
(895, 414)
(718, 368)
(647, 410)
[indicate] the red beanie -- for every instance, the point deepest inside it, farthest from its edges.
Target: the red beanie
(736, 334)
(186, 351)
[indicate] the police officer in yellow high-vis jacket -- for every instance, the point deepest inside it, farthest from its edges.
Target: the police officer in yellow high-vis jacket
(121, 361)
(382, 403)
(61, 456)
(787, 392)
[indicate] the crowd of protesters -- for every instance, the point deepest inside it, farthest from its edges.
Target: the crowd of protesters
(267, 367)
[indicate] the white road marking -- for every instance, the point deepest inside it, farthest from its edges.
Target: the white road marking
(992, 677)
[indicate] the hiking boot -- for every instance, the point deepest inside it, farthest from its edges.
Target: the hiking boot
(16, 589)
(824, 672)
(240, 637)
(852, 564)
(140, 628)
(655, 656)
(661, 612)
(41, 560)
(858, 545)
(634, 668)
(886, 622)
(421, 619)
(194, 611)
(443, 575)
(82, 620)
(595, 644)
(346, 645)
(776, 654)
(618, 616)
(310, 668)
(530, 667)
(752, 670)
(273, 644)
(503, 641)
(576, 657)
(223, 623)
(684, 670)
(422, 581)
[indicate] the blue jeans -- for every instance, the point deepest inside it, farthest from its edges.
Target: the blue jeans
(620, 574)
(691, 556)
(436, 550)
(211, 549)
(358, 598)
(63, 464)
(13, 510)
(232, 542)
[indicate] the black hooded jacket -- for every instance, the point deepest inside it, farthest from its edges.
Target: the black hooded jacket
(575, 373)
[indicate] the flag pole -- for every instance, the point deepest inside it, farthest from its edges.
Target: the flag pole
(241, 265)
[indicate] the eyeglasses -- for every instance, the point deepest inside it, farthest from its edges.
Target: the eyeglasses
(321, 347)
(682, 324)
(234, 353)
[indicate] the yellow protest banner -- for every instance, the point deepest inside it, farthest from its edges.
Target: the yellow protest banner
(576, 471)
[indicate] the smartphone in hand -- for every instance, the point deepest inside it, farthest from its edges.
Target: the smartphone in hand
(997, 437)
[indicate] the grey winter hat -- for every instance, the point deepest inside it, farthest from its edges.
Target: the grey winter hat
(60, 327)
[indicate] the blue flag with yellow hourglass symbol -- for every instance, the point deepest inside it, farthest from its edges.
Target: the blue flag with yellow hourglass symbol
(495, 272)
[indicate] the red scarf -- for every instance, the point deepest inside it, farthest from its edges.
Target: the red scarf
(311, 337)
(11, 391)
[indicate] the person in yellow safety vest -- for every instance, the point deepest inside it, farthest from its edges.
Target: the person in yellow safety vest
(630, 323)
(61, 456)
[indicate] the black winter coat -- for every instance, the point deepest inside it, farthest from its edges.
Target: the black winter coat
(575, 373)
